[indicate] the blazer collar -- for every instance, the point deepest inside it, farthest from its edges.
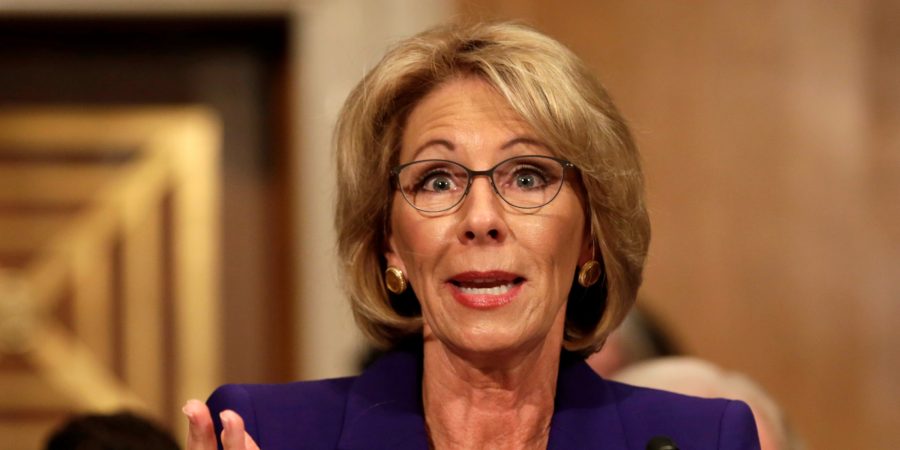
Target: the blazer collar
(384, 408)
(586, 413)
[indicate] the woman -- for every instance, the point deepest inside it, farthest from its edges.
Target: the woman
(492, 232)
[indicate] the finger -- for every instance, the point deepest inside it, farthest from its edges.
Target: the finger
(232, 431)
(249, 443)
(201, 435)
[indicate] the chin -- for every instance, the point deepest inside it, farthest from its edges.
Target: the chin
(494, 343)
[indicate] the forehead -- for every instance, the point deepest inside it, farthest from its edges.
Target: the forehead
(463, 95)
(462, 111)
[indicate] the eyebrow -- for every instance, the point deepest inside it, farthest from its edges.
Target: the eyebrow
(524, 140)
(440, 142)
(449, 145)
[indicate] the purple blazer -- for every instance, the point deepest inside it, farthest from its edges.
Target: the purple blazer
(382, 409)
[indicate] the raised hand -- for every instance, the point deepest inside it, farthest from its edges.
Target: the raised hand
(202, 435)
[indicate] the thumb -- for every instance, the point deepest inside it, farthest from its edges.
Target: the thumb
(249, 443)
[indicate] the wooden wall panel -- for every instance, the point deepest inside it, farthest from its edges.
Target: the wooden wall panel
(770, 137)
(113, 303)
(143, 52)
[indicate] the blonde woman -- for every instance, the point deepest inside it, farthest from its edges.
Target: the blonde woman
(492, 232)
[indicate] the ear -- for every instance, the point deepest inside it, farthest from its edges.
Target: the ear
(391, 255)
(587, 248)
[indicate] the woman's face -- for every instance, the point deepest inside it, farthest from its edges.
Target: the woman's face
(489, 277)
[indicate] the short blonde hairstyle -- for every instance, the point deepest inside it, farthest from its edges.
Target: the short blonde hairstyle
(558, 96)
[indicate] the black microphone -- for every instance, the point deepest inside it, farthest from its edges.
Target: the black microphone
(661, 443)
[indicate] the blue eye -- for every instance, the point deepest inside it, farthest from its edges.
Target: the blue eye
(527, 178)
(526, 181)
(438, 183)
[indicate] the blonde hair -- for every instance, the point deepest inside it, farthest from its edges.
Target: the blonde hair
(557, 95)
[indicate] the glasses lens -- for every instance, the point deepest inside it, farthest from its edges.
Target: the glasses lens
(433, 185)
(529, 181)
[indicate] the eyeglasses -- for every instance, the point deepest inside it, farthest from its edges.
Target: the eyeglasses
(436, 185)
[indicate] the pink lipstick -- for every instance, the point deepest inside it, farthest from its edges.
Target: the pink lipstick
(485, 290)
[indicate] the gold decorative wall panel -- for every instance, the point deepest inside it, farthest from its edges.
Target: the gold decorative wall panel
(108, 264)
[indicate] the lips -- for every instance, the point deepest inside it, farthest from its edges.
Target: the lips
(485, 290)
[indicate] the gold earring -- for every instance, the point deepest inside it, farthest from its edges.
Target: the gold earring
(589, 273)
(395, 280)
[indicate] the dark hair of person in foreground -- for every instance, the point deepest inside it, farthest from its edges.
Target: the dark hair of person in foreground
(118, 431)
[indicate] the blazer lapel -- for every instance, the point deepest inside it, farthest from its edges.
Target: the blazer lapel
(384, 406)
(586, 415)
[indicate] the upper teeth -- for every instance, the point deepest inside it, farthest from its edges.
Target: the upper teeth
(496, 290)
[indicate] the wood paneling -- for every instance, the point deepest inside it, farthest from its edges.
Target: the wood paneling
(145, 53)
(770, 137)
(115, 305)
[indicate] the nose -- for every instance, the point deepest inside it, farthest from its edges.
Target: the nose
(483, 220)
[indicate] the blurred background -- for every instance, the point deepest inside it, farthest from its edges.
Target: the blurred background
(166, 193)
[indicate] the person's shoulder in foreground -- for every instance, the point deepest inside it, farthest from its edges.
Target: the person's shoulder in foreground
(382, 409)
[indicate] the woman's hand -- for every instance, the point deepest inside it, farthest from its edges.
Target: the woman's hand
(202, 435)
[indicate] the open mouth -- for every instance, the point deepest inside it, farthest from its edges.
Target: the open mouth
(485, 289)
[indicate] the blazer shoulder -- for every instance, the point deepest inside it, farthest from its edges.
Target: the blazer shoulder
(301, 415)
(692, 422)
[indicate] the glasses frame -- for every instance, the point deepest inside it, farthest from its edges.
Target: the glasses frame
(470, 178)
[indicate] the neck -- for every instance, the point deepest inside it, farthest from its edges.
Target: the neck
(490, 401)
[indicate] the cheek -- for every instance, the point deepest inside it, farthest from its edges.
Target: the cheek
(418, 239)
(556, 238)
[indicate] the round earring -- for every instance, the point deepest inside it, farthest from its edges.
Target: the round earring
(394, 280)
(589, 273)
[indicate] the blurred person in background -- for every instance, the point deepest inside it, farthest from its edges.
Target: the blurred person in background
(492, 233)
(638, 338)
